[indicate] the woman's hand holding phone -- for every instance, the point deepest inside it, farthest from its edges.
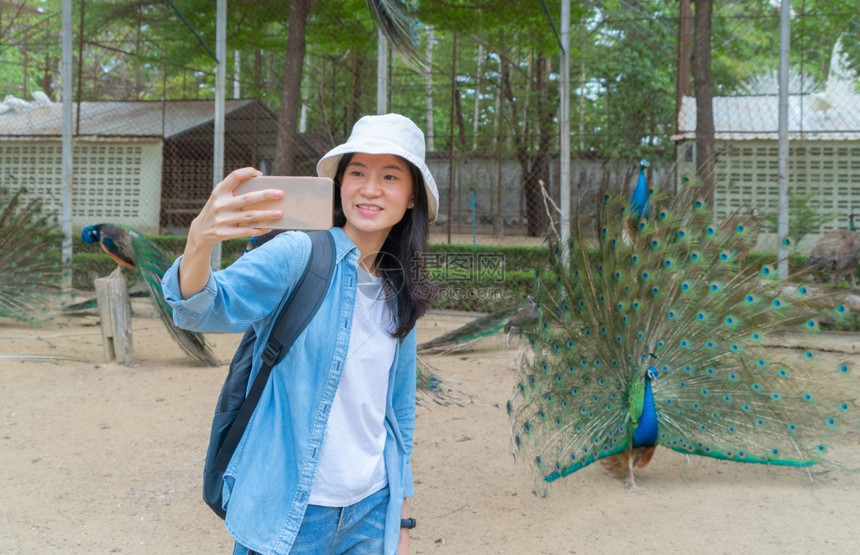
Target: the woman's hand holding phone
(224, 216)
(307, 202)
(228, 216)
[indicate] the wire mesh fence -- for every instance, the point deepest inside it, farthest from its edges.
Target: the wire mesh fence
(486, 94)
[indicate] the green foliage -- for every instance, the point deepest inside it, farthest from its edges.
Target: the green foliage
(629, 94)
(623, 52)
(804, 217)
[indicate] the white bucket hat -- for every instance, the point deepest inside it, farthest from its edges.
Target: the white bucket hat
(386, 134)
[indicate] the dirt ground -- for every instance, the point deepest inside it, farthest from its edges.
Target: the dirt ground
(105, 458)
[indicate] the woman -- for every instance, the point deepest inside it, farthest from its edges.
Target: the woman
(324, 464)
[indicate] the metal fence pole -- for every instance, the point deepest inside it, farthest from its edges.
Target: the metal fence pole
(66, 156)
(564, 132)
(784, 49)
(381, 73)
(220, 81)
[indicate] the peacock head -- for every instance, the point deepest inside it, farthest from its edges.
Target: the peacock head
(644, 163)
(91, 234)
(652, 373)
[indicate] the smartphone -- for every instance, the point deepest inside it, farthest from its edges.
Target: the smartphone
(307, 204)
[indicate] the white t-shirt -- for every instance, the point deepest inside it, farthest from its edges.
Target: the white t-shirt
(351, 465)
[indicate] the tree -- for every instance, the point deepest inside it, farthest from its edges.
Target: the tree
(393, 18)
(291, 99)
(704, 93)
(29, 49)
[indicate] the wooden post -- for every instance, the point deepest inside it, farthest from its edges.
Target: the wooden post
(115, 316)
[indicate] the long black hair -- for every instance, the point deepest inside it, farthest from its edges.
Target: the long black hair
(401, 258)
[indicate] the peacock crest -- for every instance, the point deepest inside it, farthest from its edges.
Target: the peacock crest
(654, 333)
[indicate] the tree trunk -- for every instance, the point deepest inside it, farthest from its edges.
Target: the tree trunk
(428, 93)
(704, 96)
(539, 220)
(534, 166)
(358, 80)
(685, 36)
(291, 102)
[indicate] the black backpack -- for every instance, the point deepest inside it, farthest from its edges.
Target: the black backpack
(235, 408)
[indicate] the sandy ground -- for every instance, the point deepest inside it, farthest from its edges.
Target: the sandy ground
(104, 458)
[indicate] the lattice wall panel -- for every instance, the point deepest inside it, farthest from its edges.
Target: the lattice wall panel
(747, 176)
(112, 182)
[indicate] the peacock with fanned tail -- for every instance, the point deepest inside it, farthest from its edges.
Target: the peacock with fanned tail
(30, 283)
(656, 336)
(130, 249)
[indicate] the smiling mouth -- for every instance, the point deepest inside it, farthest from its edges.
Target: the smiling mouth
(369, 207)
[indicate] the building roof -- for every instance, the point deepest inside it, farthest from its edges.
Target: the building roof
(113, 119)
(818, 116)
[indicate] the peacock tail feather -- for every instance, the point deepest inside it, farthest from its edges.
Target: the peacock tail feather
(675, 298)
(31, 270)
(152, 262)
(430, 387)
(397, 20)
(519, 317)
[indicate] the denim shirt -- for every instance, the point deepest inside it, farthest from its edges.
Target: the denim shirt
(268, 481)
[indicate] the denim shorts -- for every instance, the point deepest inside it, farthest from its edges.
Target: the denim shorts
(358, 529)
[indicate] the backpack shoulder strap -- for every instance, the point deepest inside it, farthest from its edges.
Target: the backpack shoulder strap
(305, 300)
(295, 315)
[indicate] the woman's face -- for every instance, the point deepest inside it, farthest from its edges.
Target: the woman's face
(375, 192)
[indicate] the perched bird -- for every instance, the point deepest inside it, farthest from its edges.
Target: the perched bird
(837, 253)
(31, 275)
(640, 207)
(660, 343)
(851, 225)
(130, 249)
